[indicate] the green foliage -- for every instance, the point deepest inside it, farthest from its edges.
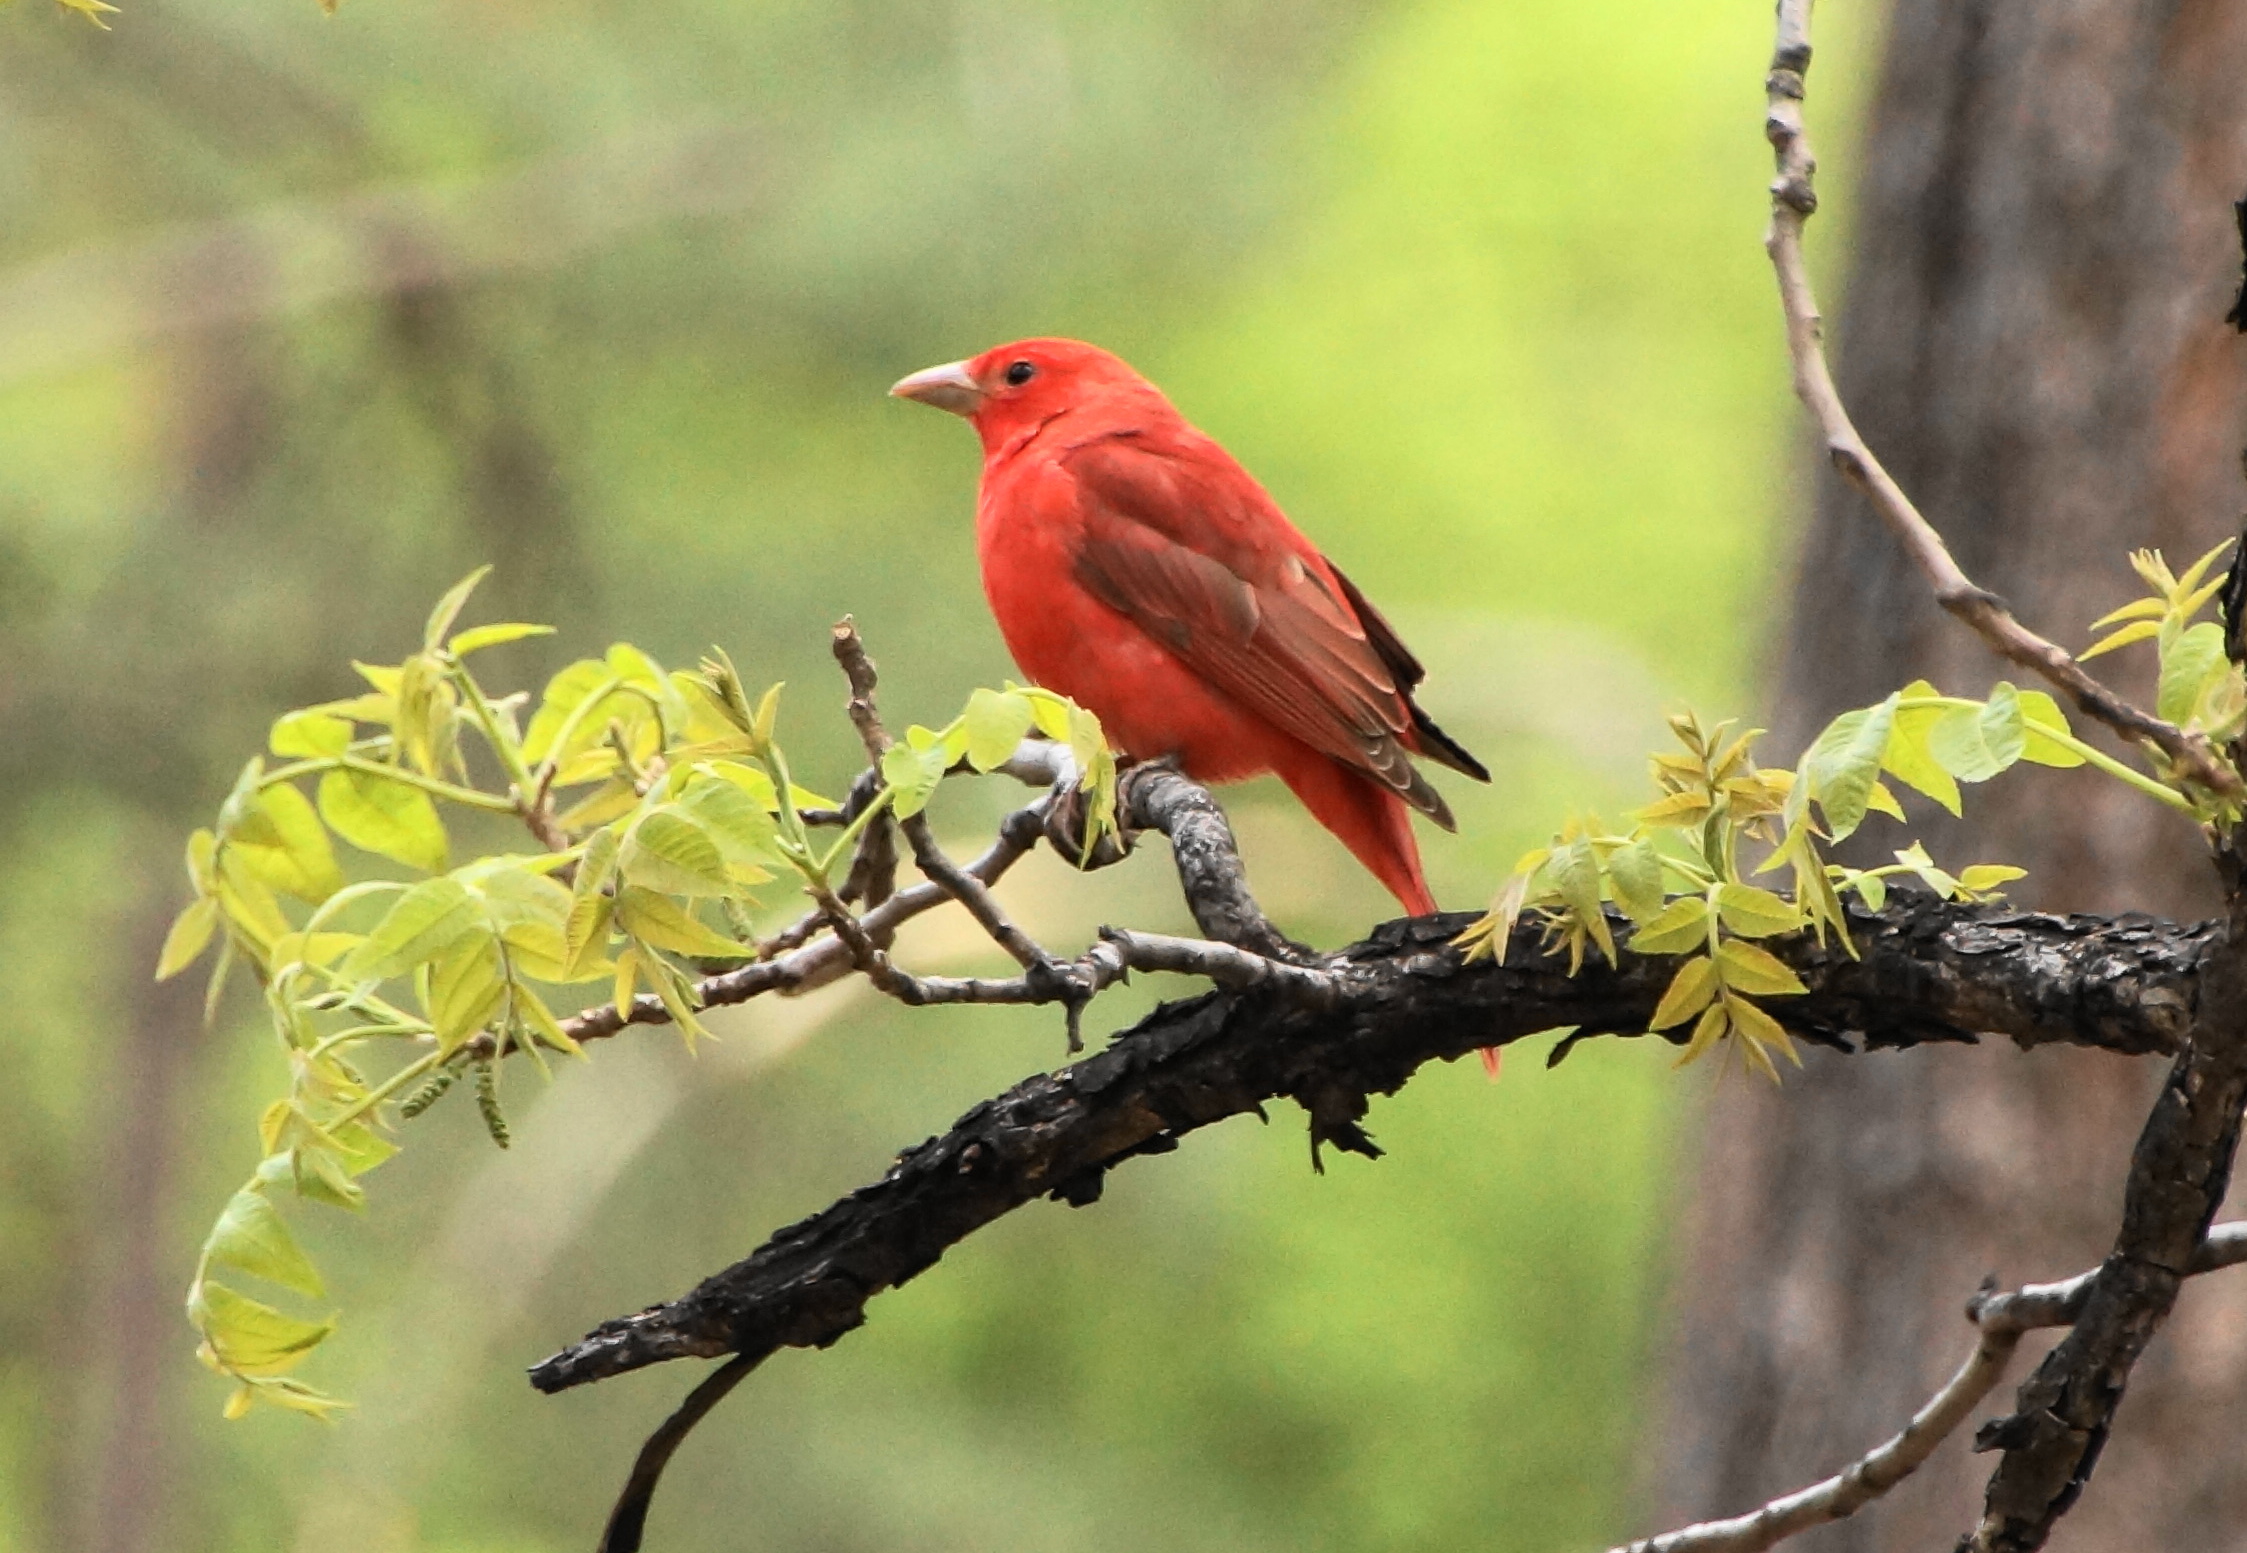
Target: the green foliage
(1677, 874)
(2197, 686)
(652, 869)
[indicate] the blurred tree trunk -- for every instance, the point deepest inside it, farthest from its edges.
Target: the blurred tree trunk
(2032, 341)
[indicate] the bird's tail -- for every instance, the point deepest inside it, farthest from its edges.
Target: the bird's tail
(1373, 822)
(1376, 825)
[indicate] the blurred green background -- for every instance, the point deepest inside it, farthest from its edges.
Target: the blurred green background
(302, 317)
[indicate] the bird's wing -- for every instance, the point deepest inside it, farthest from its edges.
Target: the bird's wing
(1193, 552)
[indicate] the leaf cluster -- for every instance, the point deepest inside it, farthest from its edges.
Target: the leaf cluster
(1683, 875)
(664, 805)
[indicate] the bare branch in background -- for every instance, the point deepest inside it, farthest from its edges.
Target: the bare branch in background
(2001, 1321)
(1793, 200)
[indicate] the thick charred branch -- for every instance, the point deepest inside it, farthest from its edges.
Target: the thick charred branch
(1929, 972)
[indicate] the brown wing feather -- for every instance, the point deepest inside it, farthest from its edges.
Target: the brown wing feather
(1270, 632)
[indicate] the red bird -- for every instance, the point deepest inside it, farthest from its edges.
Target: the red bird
(1137, 569)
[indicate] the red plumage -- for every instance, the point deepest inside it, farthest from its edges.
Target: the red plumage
(1136, 568)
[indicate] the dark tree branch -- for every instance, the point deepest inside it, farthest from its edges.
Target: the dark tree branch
(1330, 1037)
(1929, 972)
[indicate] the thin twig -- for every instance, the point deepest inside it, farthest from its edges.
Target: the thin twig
(2000, 1321)
(1793, 200)
(858, 668)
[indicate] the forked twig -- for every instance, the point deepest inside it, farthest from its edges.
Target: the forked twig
(2000, 1320)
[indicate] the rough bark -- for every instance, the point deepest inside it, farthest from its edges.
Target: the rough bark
(2033, 342)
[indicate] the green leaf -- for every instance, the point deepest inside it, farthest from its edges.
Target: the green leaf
(1915, 858)
(1760, 1034)
(660, 921)
(448, 608)
(1707, 1031)
(996, 723)
(2190, 670)
(1634, 874)
(1983, 877)
(912, 775)
(743, 828)
(314, 734)
(2136, 631)
(298, 861)
(422, 924)
(669, 852)
(1680, 926)
(190, 935)
(2041, 719)
(249, 1336)
(1753, 969)
(466, 989)
(241, 818)
(1871, 889)
(1975, 743)
(1755, 913)
(1907, 757)
(1691, 990)
(475, 638)
(1575, 874)
(1842, 765)
(585, 940)
(252, 1236)
(390, 819)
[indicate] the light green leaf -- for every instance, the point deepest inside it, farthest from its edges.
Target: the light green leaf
(314, 734)
(390, 819)
(2136, 631)
(249, 1336)
(448, 608)
(668, 852)
(476, 638)
(1907, 757)
(1915, 858)
(664, 923)
(422, 924)
(1707, 1031)
(1871, 889)
(1680, 926)
(1691, 990)
(2041, 719)
(1576, 875)
(2190, 670)
(1753, 969)
(1975, 743)
(1844, 762)
(298, 861)
(252, 1236)
(1755, 913)
(466, 989)
(743, 828)
(1982, 877)
(1760, 1034)
(1634, 874)
(190, 935)
(912, 775)
(996, 723)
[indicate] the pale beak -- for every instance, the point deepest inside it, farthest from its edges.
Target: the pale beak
(947, 387)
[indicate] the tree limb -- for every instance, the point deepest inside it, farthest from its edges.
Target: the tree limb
(1793, 200)
(2000, 1320)
(1929, 971)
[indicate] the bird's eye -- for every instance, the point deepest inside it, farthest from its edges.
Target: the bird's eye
(1019, 373)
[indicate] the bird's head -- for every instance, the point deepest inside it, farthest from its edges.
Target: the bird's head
(1015, 388)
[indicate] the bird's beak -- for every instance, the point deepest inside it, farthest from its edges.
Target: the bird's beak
(947, 387)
